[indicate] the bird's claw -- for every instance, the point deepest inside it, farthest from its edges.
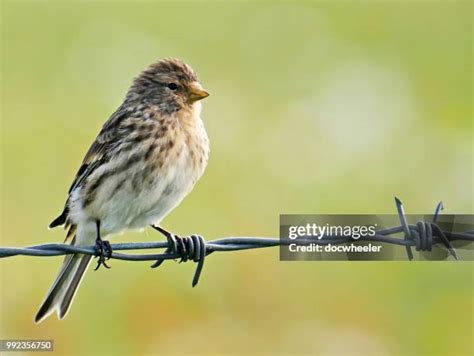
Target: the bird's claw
(104, 252)
(191, 247)
(176, 246)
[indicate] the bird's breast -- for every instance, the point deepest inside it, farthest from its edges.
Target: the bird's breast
(172, 169)
(156, 167)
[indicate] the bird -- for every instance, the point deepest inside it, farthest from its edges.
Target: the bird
(146, 158)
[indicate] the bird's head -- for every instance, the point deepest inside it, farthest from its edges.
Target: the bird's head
(170, 84)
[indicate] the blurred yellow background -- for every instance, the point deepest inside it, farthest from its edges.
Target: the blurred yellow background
(315, 107)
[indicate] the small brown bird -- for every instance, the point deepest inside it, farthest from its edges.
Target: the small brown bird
(145, 160)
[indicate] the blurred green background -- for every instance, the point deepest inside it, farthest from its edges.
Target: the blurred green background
(314, 108)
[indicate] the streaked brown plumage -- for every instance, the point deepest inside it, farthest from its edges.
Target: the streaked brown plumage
(145, 160)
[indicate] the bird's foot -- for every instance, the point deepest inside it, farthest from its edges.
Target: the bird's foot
(186, 248)
(176, 245)
(104, 252)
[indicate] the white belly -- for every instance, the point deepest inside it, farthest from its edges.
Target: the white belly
(132, 208)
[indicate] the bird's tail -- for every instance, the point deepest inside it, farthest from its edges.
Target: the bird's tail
(64, 288)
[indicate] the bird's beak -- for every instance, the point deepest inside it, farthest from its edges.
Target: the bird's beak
(196, 92)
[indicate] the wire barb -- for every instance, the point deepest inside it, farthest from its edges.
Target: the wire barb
(406, 228)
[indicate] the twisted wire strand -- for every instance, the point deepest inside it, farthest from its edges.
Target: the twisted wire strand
(422, 235)
(222, 245)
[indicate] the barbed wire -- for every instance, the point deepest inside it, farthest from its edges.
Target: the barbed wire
(423, 236)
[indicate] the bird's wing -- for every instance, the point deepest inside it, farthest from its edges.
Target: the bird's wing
(94, 158)
(97, 153)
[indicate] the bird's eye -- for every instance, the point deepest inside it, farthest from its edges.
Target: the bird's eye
(172, 86)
